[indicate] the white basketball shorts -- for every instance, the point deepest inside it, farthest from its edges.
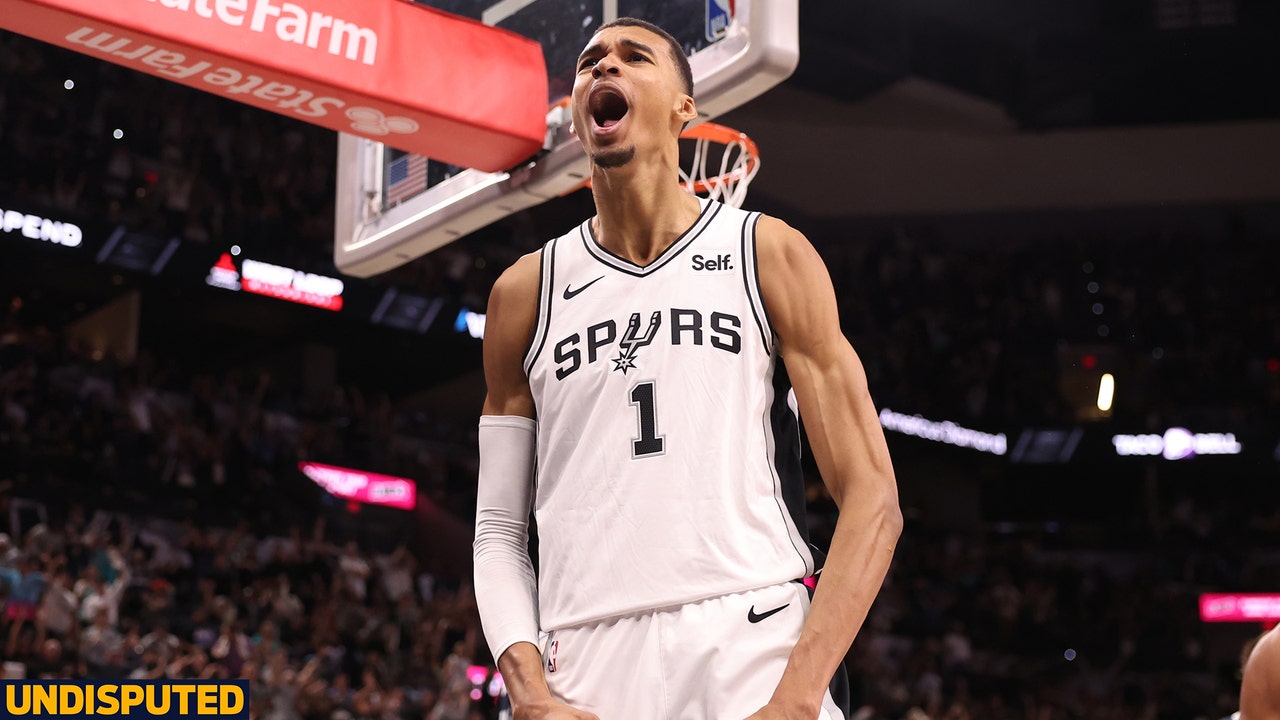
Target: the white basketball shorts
(718, 659)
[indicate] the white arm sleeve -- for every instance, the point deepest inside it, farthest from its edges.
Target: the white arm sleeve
(506, 591)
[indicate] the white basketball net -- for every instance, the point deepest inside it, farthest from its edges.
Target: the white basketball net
(729, 185)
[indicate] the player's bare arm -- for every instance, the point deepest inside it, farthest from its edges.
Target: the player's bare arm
(848, 444)
(1260, 688)
(510, 320)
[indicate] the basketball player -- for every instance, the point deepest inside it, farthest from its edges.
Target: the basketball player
(1260, 687)
(641, 363)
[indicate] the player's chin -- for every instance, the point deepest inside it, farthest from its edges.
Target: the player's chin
(613, 157)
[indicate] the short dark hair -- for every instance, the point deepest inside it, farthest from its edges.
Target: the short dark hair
(673, 46)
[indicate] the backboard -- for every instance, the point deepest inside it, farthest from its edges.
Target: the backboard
(393, 207)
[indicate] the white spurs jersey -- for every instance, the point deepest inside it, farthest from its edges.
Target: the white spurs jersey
(668, 451)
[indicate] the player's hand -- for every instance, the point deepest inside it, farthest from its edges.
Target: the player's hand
(550, 710)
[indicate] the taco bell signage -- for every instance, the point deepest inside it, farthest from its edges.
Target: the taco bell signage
(1177, 444)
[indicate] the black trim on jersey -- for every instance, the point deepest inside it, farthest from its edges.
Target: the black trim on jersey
(786, 459)
(537, 318)
(750, 264)
(755, 246)
(607, 257)
(546, 291)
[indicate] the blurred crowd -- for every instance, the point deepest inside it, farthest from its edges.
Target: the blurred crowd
(153, 435)
(157, 528)
(1002, 627)
(981, 328)
(320, 630)
(156, 525)
(186, 163)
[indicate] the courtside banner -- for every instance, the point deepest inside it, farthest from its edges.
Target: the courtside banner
(412, 77)
(228, 700)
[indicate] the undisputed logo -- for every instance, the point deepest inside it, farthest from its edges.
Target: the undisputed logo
(169, 699)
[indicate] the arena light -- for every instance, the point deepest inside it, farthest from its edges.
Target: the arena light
(471, 323)
(362, 487)
(1106, 392)
(1177, 443)
(1239, 607)
(945, 432)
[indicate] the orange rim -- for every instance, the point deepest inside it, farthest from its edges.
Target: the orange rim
(722, 134)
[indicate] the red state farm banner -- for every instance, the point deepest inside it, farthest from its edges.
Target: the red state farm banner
(412, 77)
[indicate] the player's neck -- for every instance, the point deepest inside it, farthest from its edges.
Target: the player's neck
(640, 211)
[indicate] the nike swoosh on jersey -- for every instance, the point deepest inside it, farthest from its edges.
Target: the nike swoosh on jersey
(752, 617)
(569, 292)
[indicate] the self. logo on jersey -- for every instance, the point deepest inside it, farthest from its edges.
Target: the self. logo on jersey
(718, 263)
(688, 328)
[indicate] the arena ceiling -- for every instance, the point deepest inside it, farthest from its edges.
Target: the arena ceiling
(994, 105)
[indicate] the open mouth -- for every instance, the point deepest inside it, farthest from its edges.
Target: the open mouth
(608, 107)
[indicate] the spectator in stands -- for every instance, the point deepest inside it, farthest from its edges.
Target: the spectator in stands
(233, 650)
(101, 646)
(355, 571)
(26, 587)
(59, 609)
(100, 596)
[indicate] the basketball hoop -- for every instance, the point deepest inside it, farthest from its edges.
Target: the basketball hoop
(738, 161)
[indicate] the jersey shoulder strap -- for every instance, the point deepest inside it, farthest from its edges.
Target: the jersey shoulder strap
(546, 281)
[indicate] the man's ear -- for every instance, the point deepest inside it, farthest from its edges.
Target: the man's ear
(686, 109)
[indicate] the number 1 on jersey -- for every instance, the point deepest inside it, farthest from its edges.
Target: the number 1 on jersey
(649, 442)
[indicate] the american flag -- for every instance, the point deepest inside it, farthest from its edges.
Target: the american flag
(406, 177)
